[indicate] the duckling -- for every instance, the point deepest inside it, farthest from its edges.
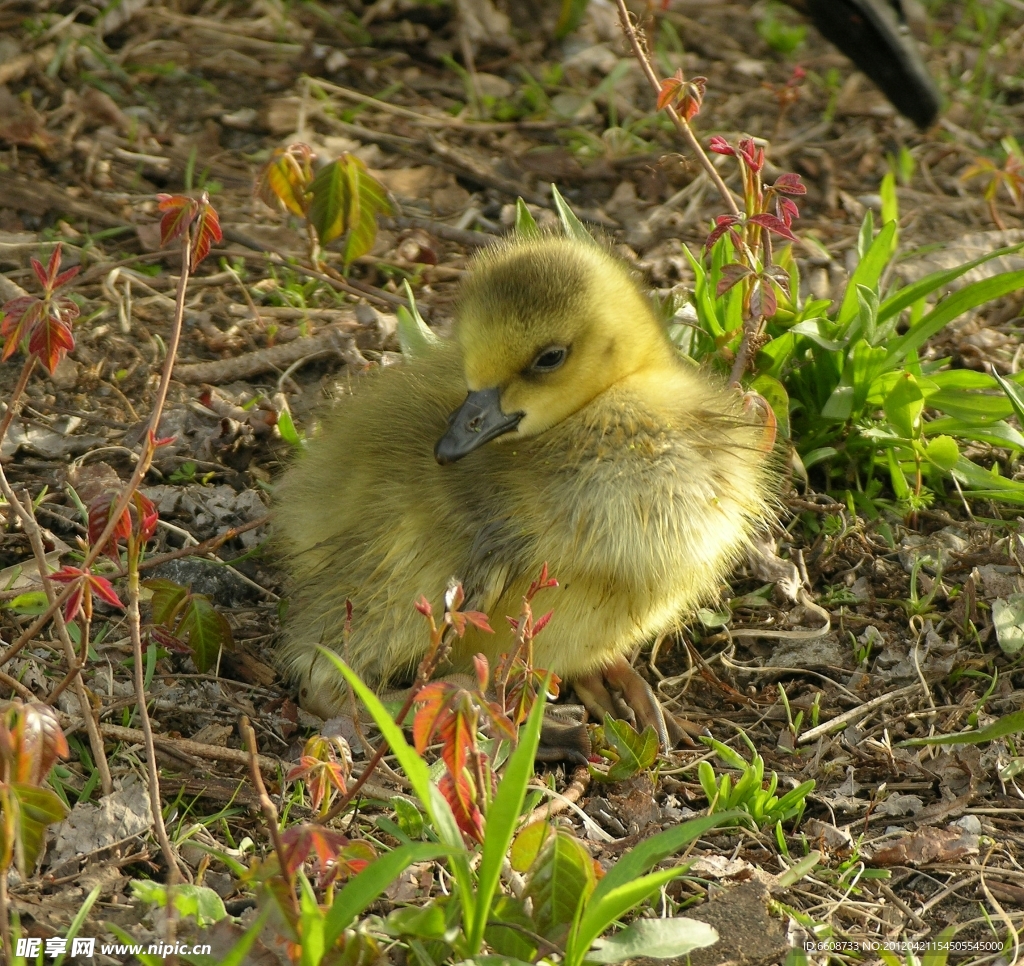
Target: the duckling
(559, 426)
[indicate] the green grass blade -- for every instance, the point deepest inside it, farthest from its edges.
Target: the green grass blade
(430, 797)
(503, 814)
(969, 297)
(571, 225)
(526, 227)
(601, 913)
(906, 297)
(868, 272)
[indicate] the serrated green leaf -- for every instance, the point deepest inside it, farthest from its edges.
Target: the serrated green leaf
(346, 200)
(167, 595)
(206, 630)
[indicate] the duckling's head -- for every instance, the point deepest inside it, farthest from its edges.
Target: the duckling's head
(545, 326)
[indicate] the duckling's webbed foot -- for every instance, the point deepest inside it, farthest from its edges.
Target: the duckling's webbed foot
(638, 704)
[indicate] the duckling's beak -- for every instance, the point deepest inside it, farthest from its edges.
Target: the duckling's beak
(478, 420)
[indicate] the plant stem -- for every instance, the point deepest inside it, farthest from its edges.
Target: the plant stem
(14, 403)
(682, 126)
(268, 809)
(135, 630)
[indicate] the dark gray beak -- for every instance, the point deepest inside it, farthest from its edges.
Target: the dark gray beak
(478, 420)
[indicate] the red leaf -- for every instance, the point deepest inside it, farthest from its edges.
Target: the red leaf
(178, 214)
(542, 623)
(41, 273)
(723, 224)
(66, 277)
(719, 145)
(50, 341)
(732, 273)
(773, 224)
(207, 231)
(751, 154)
(483, 672)
(105, 590)
(21, 318)
(479, 620)
(669, 88)
(148, 516)
(99, 514)
(789, 184)
(787, 210)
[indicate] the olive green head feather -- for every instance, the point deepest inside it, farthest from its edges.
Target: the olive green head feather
(545, 325)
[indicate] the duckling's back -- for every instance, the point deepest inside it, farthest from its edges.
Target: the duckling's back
(640, 502)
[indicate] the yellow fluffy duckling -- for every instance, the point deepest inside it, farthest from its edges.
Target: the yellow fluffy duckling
(584, 441)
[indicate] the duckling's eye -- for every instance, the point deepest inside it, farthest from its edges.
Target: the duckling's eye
(549, 359)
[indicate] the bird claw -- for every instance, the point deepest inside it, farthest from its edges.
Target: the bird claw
(639, 704)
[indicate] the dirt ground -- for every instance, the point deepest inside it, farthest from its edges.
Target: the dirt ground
(99, 113)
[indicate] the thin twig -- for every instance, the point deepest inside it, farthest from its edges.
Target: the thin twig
(269, 811)
(680, 123)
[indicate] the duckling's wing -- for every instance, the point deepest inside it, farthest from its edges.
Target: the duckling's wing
(495, 563)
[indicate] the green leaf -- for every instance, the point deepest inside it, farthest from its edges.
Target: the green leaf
(571, 225)
(503, 939)
(416, 770)
(655, 938)
(774, 392)
(26, 811)
(77, 922)
(612, 899)
(985, 484)
(1008, 724)
(816, 456)
(200, 903)
(427, 922)
(890, 202)
(943, 452)
(526, 227)
(1014, 393)
(346, 201)
(30, 604)
(364, 888)
(286, 428)
(904, 405)
(1008, 619)
(207, 631)
(635, 751)
(818, 331)
(415, 337)
(167, 595)
(998, 434)
(570, 17)
(560, 883)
